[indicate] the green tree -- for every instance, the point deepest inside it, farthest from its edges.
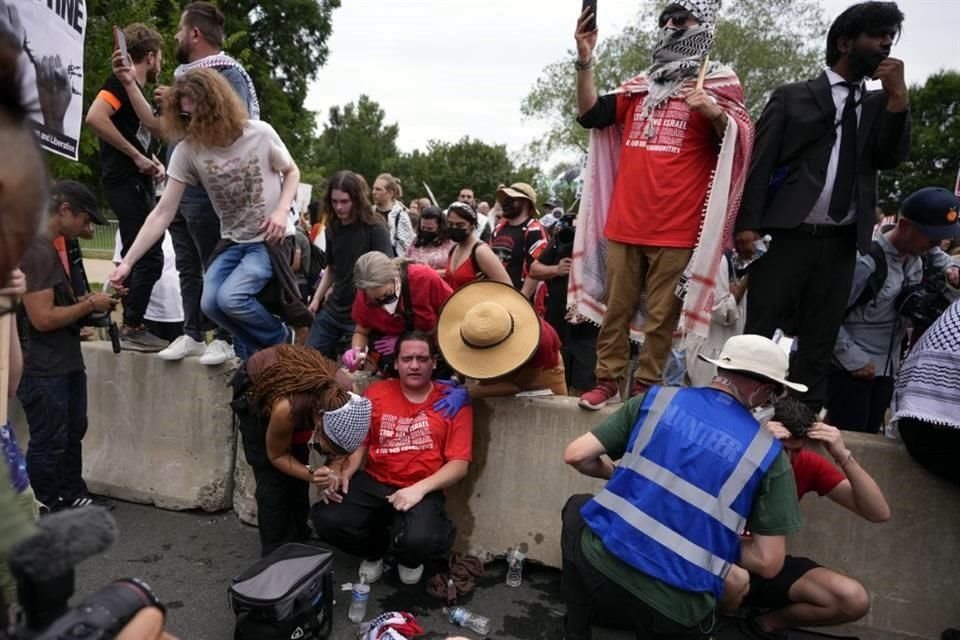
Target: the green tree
(935, 151)
(357, 137)
(449, 166)
(767, 43)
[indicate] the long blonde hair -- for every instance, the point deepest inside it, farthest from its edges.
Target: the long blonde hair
(218, 117)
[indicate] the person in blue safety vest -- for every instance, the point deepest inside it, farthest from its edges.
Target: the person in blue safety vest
(656, 550)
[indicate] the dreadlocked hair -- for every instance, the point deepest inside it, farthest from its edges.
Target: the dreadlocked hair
(794, 415)
(304, 377)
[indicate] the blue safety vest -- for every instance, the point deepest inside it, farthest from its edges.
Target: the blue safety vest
(680, 496)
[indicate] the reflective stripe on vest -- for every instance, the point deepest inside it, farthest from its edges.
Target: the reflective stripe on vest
(647, 487)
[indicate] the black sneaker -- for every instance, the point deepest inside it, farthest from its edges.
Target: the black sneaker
(751, 628)
(141, 340)
(84, 501)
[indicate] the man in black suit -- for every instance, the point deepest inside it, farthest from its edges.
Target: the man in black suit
(812, 186)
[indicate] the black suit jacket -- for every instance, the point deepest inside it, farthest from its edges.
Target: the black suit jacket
(795, 136)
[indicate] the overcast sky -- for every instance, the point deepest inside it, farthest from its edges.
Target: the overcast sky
(443, 69)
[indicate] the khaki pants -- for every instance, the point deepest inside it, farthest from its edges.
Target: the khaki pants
(631, 271)
(27, 504)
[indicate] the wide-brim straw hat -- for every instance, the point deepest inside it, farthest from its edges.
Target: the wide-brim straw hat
(758, 356)
(487, 330)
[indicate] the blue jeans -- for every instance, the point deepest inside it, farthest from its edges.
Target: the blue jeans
(326, 332)
(56, 410)
(230, 288)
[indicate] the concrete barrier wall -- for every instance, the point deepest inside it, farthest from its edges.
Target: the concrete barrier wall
(162, 433)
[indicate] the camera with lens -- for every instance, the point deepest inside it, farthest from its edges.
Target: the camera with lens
(564, 236)
(103, 320)
(924, 302)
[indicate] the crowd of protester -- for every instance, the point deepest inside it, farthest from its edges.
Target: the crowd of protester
(748, 253)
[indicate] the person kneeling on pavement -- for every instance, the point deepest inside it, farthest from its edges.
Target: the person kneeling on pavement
(288, 399)
(803, 593)
(490, 333)
(652, 551)
(390, 500)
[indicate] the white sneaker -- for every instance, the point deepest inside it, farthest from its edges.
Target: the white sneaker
(410, 575)
(371, 570)
(181, 348)
(217, 353)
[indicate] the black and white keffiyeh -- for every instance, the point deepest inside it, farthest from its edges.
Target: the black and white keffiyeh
(348, 426)
(223, 61)
(928, 382)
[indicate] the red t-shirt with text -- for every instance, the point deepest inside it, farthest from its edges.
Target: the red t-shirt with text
(661, 184)
(408, 442)
(813, 472)
(428, 292)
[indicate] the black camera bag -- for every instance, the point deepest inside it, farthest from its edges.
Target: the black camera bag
(288, 595)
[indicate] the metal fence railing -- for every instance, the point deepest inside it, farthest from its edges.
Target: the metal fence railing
(101, 246)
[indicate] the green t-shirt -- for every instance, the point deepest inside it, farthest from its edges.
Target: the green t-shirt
(775, 512)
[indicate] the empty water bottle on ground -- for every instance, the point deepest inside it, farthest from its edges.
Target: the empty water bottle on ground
(358, 602)
(515, 560)
(463, 618)
(740, 263)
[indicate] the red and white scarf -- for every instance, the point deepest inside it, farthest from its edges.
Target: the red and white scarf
(587, 288)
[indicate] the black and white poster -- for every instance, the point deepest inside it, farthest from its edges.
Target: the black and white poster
(48, 37)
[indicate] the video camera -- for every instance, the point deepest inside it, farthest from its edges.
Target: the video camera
(924, 302)
(43, 566)
(104, 320)
(564, 235)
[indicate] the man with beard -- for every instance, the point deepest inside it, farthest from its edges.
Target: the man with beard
(519, 238)
(128, 172)
(196, 228)
(683, 139)
(812, 186)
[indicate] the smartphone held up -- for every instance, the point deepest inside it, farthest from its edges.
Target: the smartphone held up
(591, 24)
(120, 43)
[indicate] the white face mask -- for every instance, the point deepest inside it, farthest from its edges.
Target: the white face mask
(763, 414)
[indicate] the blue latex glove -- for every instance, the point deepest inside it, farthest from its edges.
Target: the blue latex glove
(386, 345)
(455, 397)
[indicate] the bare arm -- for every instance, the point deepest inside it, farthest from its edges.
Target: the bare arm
(859, 492)
(361, 337)
(529, 288)
(446, 476)
(493, 389)
(326, 281)
(45, 316)
(491, 266)
(10, 297)
(763, 554)
(157, 222)
(98, 119)
(586, 43)
(279, 437)
(587, 455)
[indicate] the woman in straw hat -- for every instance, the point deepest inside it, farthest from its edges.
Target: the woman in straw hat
(394, 296)
(288, 399)
(490, 333)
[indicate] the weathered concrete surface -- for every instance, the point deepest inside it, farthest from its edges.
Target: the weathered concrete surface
(911, 564)
(160, 432)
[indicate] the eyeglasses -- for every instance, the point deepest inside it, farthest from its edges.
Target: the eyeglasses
(678, 15)
(186, 117)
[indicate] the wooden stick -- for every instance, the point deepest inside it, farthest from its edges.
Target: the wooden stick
(703, 72)
(5, 328)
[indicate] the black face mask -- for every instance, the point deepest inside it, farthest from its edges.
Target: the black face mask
(512, 209)
(390, 298)
(427, 237)
(458, 234)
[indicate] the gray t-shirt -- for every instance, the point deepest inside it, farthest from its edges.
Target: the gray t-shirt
(244, 180)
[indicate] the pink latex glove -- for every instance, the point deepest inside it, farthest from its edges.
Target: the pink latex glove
(354, 358)
(386, 345)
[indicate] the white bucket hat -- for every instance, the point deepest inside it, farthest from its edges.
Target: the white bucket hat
(758, 356)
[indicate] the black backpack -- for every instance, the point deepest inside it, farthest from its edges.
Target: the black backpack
(876, 279)
(287, 595)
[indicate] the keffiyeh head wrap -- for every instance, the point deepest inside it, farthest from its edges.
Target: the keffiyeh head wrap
(703, 10)
(348, 426)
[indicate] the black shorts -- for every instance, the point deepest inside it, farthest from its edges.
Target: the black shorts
(774, 593)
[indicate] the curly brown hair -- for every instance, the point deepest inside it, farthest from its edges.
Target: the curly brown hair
(218, 117)
(306, 379)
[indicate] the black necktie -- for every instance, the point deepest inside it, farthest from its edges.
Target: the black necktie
(847, 164)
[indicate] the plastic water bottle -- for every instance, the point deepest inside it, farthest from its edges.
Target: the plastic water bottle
(358, 602)
(463, 618)
(515, 560)
(740, 264)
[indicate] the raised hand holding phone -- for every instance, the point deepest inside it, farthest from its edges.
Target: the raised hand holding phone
(120, 43)
(591, 24)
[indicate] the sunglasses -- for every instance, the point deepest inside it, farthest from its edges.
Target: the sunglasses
(679, 16)
(186, 117)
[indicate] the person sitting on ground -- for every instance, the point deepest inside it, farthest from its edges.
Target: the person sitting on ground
(926, 406)
(866, 355)
(353, 229)
(390, 500)
(803, 593)
(652, 551)
(220, 146)
(386, 202)
(491, 334)
(287, 398)
(470, 259)
(394, 296)
(432, 246)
